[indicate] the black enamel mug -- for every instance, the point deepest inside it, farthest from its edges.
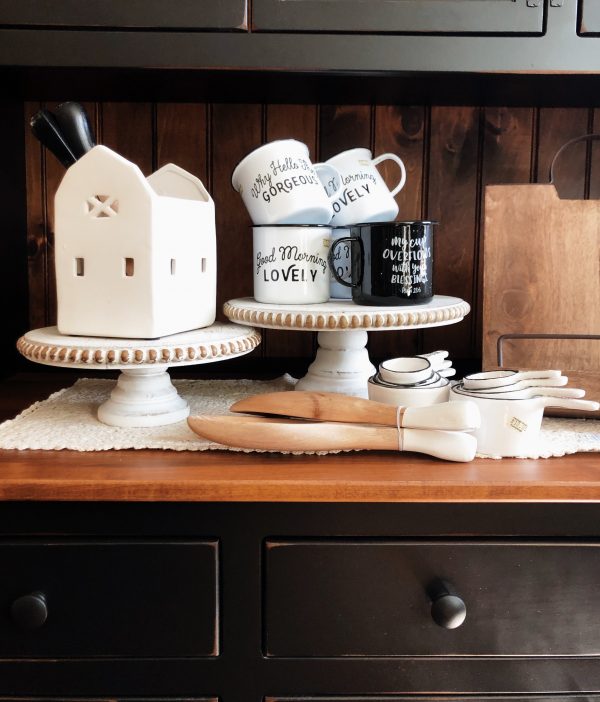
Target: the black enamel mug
(391, 262)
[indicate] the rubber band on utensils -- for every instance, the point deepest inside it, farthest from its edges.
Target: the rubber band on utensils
(399, 417)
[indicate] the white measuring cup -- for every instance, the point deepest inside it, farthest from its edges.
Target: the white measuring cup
(511, 427)
(406, 370)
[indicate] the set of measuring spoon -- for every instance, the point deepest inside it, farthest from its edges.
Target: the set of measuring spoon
(414, 381)
(518, 385)
(512, 404)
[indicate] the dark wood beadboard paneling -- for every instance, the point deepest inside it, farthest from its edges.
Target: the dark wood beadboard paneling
(182, 137)
(451, 153)
(53, 173)
(236, 129)
(127, 127)
(344, 127)
(453, 201)
(37, 248)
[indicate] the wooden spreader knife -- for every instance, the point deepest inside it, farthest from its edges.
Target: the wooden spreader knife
(297, 435)
(334, 407)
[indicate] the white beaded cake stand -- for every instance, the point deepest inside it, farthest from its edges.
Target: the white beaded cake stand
(143, 395)
(342, 362)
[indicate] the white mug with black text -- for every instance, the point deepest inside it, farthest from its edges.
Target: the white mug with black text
(290, 264)
(360, 195)
(279, 184)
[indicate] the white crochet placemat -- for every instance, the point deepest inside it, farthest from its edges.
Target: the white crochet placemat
(67, 420)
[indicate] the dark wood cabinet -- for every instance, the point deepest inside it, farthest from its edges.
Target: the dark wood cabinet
(446, 698)
(400, 17)
(149, 14)
(492, 39)
(340, 597)
(374, 599)
(174, 577)
(589, 17)
(144, 599)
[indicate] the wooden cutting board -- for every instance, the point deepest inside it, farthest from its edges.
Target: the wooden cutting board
(541, 275)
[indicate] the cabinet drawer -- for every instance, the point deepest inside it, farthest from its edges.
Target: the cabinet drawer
(371, 598)
(440, 698)
(400, 16)
(90, 599)
(158, 14)
(589, 17)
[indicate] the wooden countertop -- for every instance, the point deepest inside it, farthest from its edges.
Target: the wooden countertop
(349, 477)
(241, 477)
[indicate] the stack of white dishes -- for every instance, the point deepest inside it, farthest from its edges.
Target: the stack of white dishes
(512, 406)
(412, 381)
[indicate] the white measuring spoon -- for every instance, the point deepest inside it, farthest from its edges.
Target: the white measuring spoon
(436, 358)
(499, 378)
(524, 394)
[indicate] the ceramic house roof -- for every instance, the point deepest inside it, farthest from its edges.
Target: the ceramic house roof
(103, 164)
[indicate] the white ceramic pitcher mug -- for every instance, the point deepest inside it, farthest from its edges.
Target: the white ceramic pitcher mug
(361, 194)
(279, 184)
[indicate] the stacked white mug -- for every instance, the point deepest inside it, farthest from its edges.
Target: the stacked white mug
(360, 196)
(291, 211)
(297, 207)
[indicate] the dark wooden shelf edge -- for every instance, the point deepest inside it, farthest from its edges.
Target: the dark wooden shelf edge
(295, 87)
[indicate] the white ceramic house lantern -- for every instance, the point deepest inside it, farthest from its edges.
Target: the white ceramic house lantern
(135, 256)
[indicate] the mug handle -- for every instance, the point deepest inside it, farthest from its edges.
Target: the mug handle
(329, 176)
(331, 262)
(398, 160)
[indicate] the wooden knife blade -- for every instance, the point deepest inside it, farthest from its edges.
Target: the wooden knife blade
(335, 407)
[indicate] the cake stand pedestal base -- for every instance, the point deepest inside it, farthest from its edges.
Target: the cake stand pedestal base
(341, 364)
(143, 397)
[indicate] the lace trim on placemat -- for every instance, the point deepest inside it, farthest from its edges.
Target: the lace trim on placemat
(67, 420)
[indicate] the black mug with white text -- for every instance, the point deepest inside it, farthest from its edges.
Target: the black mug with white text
(391, 262)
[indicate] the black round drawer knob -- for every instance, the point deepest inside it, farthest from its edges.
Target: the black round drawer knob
(448, 610)
(30, 611)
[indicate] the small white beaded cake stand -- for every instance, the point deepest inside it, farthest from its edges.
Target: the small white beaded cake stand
(143, 395)
(342, 362)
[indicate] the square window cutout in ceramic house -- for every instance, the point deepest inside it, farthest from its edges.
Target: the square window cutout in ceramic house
(100, 206)
(79, 267)
(128, 266)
